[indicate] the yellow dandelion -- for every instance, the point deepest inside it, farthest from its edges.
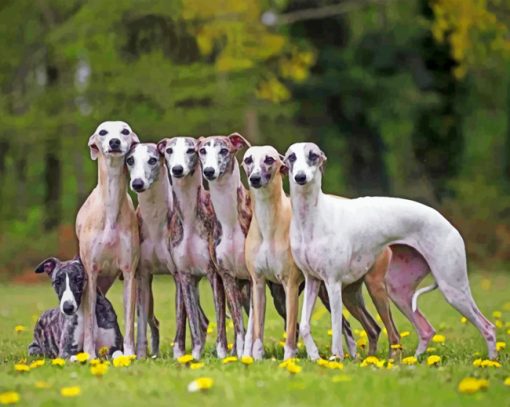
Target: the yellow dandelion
(82, 357)
(229, 359)
(330, 332)
(246, 360)
(41, 384)
(104, 351)
(281, 344)
(94, 362)
(335, 365)
(37, 363)
(410, 360)
(292, 368)
(99, 369)
(300, 345)
(20, 328)
(284, 336)
(499, 323)
(122, 361)
(463, 320)
(438, 339)
(196, 366)
(321, 362)
(341, 378)
(497, 314)
(396, 346)
(200, 384)
(58, 362)
(21, 367)
(431, 349)
(507, 381)
(433, 360)
(287, 362)
(490, 363)
(385, 332)
(230, 346)
(470, 385)
(500, 346)
(185, 359)
(71, 391)
(346, 314)
(403, 334)
(372, 361)
(9, 397)
(362, 342)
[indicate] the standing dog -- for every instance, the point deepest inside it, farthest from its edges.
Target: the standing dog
(194, 229)
(59, 331)
(268, 254)
(107, 229)
(338, 240)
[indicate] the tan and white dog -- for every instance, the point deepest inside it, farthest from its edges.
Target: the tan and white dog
(268, 254)
(107, 230)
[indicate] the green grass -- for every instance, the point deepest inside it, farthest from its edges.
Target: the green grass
(163, 382)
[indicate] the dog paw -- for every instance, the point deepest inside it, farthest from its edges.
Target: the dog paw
(117, 354)
(289, 352)
(258, 350)
(221, 351)
(197, 353)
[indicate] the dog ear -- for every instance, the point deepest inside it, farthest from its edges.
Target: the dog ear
(323, 161)
(238, 142)
(134, 139)
(94, 150)
(47, 266)
(162, 146)
(284, 170)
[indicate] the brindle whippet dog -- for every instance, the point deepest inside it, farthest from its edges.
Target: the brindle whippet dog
(338, 240)
(107, 230)
(268, 254)
(59, 331)
(194, 230)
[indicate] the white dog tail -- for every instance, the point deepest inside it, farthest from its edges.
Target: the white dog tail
(420, 292)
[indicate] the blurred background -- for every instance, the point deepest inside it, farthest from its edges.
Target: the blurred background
(408, 98)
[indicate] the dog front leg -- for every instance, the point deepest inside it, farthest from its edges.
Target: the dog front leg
(180, 318)
(129, 311)
(153, 324)
(335, 301)
(292, 304)
(192, 312)
(257, 318)
(311, 290)
(219, 307)
(143, 304)
(89, 316)
(234, 302)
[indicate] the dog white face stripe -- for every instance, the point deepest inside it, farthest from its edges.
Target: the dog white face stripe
(67, 296)
(144, 165)
(181, 156)
(303, 161)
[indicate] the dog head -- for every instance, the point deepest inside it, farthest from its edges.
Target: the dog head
(144, 164)
(112, 139)
(261, 163)
(305, 161)
(181, 155)
(68, 279)
(217, 154)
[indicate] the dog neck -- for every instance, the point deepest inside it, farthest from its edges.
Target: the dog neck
(267, 205)
(112, 184)
(155, 203)
(225, 197)
(187, 191)
(305, 201)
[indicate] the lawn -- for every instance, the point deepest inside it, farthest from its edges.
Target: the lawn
(164, 382)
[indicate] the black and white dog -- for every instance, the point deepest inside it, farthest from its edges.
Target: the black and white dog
(60, 331)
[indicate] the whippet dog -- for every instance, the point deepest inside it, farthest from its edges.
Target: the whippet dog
(107, 229)
(194, 230)
(268, 254)
(59, 331)
(149, 179)
(337, 241)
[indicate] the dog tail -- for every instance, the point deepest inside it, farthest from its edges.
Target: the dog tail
(420, 292)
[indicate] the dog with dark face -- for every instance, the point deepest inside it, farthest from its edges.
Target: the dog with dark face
(60, 331)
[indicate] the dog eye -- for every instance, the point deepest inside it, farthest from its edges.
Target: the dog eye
(313, 156)
(169, 150)
(130, 161)
(224, 151)
(292, 158)
(269, 160)
(103, 132)
(190, 151)
(202, 151)
(125, 132)
(248, 160)
(152, 161)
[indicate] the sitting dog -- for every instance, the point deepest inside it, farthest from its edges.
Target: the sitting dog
(60, 331)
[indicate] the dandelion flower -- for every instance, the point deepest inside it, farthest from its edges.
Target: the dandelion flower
(335, 365)
(229, 359)
(196, 366)
(410, 360)
(431, 349)
(403, 334)
(489, 363)
(71, 391)
(20, 328)
(41, 384)
(82, 357)
(37, 363)
(470, 385)
(246, 360)
(438, 339)
(230, 346)
(499, 323)
(433, 360)
(21, 367)
(99, 369)
(330, 332)
(58, 362)
(122, 361)
(321, 362)
(463, 320)
(507, 381)
(292, 368)
(281, 344)
(185, 359)
(396, 346)
(287, 362)
(372, 361)
(500, 346)
(9, 397)
(497, 314)
(202, 383)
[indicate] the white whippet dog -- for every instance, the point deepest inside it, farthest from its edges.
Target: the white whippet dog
(268, 255)
(107, 230)
(194, 229)
(337, 241)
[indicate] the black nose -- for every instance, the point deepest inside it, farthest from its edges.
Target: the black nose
(137, 184)
(68, 308)
(209, 172)
(300, 178)
(255, 181)
(177, 170)
(115, 143)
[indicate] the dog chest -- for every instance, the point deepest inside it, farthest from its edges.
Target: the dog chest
(270, 262)
(230, 253)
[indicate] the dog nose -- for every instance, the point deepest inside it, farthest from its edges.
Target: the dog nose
(137, 184)
(209, 172)
(300, 178)
(255, 181)
(68, 308)
(177, 170)
(115, 143)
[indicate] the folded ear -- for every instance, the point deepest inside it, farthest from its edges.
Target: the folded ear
(134, 139)
(323, 162)
(47, 266)
(162, 146)
(284, 170)
(94, 150)
(238, 142)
